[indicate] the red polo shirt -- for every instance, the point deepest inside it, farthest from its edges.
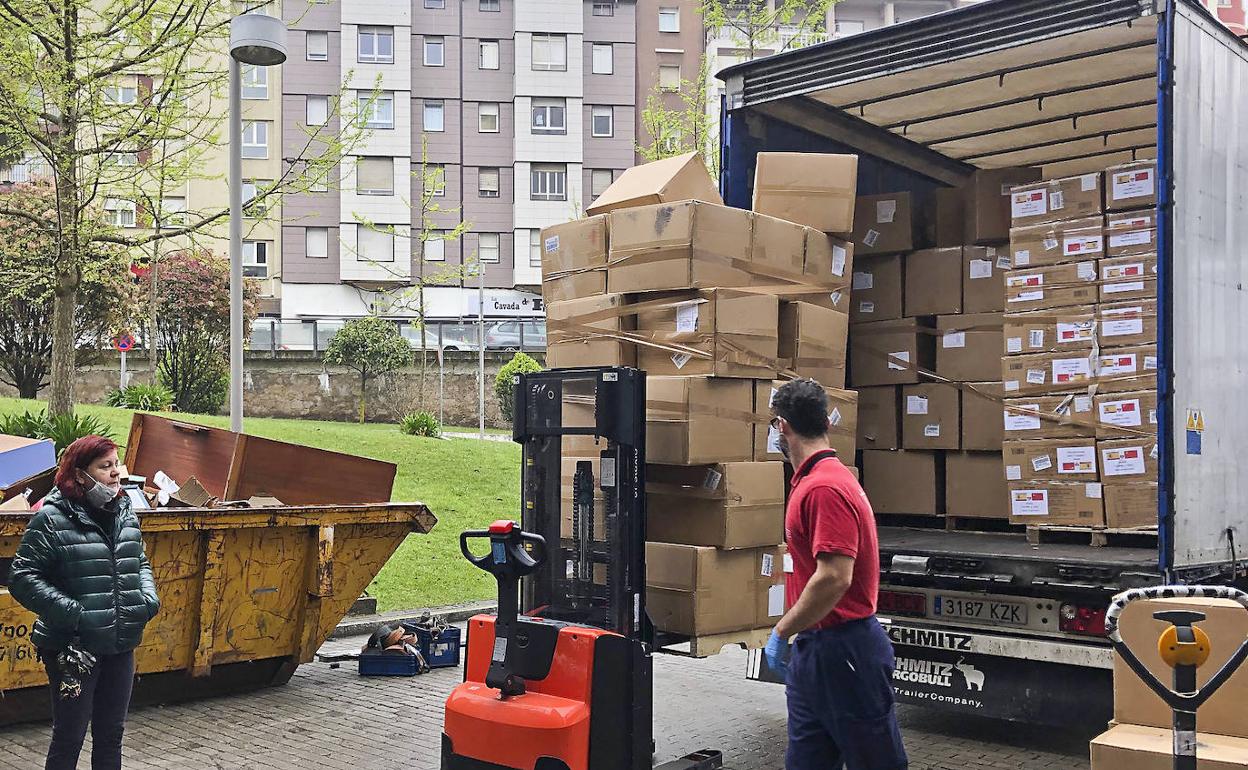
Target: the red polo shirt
(828, 512)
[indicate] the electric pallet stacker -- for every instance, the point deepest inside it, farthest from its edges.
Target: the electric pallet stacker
(561, 678)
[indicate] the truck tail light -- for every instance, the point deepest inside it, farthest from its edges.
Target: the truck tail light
(1089, 621)
(902, 603)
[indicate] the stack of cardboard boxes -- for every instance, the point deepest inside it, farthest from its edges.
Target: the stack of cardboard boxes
(715, 304)
(1080, 351)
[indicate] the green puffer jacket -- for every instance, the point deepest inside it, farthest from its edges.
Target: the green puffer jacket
(83, 582)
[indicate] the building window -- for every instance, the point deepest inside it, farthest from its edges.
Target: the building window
(317, 111)
(256, 139)
(435, 174)
(433, 120)
(490, 6)
(434, 247)
(602, 121)
(435, 4)
(487, 183)
(435, 53)
(121, 95)
(669, 19)
(488, 247)
(377, 109)
(123, 158)
(550, 116)
(489, 55)
(256, 259)
(550, 52)
(669, 77)
(603, 59)
(604, 9)
(845, 28)
(119, 213)
(548, 182)
(487, 118)
(376, 45)
(251, 187)
(173, 212)
(318, 185)
(374, 245)
(374, 176)
(599, 181)
(535, 248)
(255, 82)
(316, 242)
(317, 46)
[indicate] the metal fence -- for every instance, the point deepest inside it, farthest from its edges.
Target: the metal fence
(275, 335)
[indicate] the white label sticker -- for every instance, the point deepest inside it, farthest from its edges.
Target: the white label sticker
(1022, 258)
(500, 649)
(871, 237)
(1086, 271)
(980, 268)
(772, 398)
(866, 307)
(1035, 338)
(931, 431)
(1122, 328)
(1072, 332)
(1133, 238)
(606, 473)
(1092, 490)
(1013, 472)
(1050, 243)
(1003, 262)
(834, 417)
(788, 564)
(894, 358)
(1117, 364)
(1083, 246)
(885, 212)
(1153, 452)
(1083, 403)
(863, 281)
(1041, 463)
(552, 244)
(773, 442)
(686, 319)
(680, 359)
(836, 298)
(1124, 288)
(1125, 413)
(838, 260)
(1087, 182)
(1057, 200)
(1014, 421)
(1123, 461)
(1028, 203)
(1029, 502)
(916, 404)
(1133, 184)
(769, 563)
(1152, 416)
(954, 340)
(1014, 345)
(1150, 363)
(1071, 370)
(1076, 459)
(1035, 376)
(775, 601)
(713, 477)
(1009, 386)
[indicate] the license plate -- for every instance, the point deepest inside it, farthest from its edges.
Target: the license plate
(1010, 613)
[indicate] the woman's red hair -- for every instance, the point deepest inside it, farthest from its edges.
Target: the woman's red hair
(79, 456)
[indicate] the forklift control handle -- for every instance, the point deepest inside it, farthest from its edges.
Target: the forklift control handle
(507, 558)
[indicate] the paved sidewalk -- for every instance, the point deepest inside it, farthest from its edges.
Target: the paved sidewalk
(332, 718)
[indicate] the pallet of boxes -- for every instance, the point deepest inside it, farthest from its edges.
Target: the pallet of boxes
(716, 304)
(1080, 359)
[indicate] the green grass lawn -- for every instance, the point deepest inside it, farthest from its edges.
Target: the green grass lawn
(465, 482)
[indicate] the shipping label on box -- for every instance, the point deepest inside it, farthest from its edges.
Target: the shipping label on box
(718, 333)
(1129, 459)
(1129, 278)
(932, 416)
(1057, 242)
(1133, 232)
(1051, 287)
(1039, 503)
(1071, 459)
(1125, 369)
(1128, 324)
(884, 224)
(1046, 373)
(1069, 416)
(1052, 331)
(1068, 198)
(878, 289)
(1126, 414)
(1132, 185)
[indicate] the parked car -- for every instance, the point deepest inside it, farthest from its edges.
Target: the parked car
(516, 335)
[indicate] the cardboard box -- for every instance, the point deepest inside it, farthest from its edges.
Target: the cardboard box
(934, 282)
(574, 259)
(983, 279)
(1059, 330)
(1049, 417)
(947, 224)
(842, 422)
(586, 332)
(1226, 623)
(907, 482)
(1127, 324)
(1124, 279)
(22, 458)
(686, 245)
(973, 486)
(885, 224)
(878, 289)
(891, 352)
(1057, 199)
(1131, 186)
(718, 333)
(968, 347)
(829, 263)
(1064, 503)
(1057, 242)
(1047, 373)
(1130, 505)
(1131, 232)
(698, 591)
(1064, 459)
(1133, 747)
(813, 341)
(1038, 288)
(679, 178)
(1128, 459)
(981, 417)
(698, 420)
(814, 189)
(728, 505)
(568, 468)
(879, 418)
(988, 202)
(1126, 415)
(778, 251)
(931, 416)
(1121, 370)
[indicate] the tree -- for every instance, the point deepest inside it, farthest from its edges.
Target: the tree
(193, 327)
(117, 100)
(372, 347)
(504, 389)
(761, 27)
(682, 129)
(26, 293)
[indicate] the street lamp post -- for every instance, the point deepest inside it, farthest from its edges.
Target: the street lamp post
(258, 40)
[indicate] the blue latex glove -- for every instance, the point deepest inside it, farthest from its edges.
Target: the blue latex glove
(777, 654)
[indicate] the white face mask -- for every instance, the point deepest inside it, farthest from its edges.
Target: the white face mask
(99, 494)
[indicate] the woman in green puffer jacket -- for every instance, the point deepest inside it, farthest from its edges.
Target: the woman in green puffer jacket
(82, 569)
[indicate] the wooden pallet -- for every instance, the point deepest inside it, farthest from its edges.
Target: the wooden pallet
(705, 646)
(1097, 537)
(947, 523)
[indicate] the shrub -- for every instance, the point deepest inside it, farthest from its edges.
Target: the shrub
(420, 424)
(520, 363)
(26, 424)
(64, 429)
(201, 389)
(143, 397)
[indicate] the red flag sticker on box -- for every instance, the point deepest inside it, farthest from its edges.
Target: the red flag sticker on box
(1029, 502)
(1125, 461)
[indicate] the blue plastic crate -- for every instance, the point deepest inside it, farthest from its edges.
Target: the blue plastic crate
(388, 664)
(442, 652)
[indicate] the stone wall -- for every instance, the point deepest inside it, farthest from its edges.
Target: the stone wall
(298, 385)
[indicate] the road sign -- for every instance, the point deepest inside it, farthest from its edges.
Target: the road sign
(123, 342)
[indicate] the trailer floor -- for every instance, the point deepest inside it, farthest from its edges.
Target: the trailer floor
(331, 718)
(938, 542)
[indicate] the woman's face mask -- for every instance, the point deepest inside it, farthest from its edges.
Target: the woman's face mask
(102, 479)
(100, 495)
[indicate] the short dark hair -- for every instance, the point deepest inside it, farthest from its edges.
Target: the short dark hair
(804, 405)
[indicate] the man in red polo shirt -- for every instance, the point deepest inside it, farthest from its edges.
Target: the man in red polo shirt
(839, 676)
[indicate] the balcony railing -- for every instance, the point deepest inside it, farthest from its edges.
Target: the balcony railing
(273, 335)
